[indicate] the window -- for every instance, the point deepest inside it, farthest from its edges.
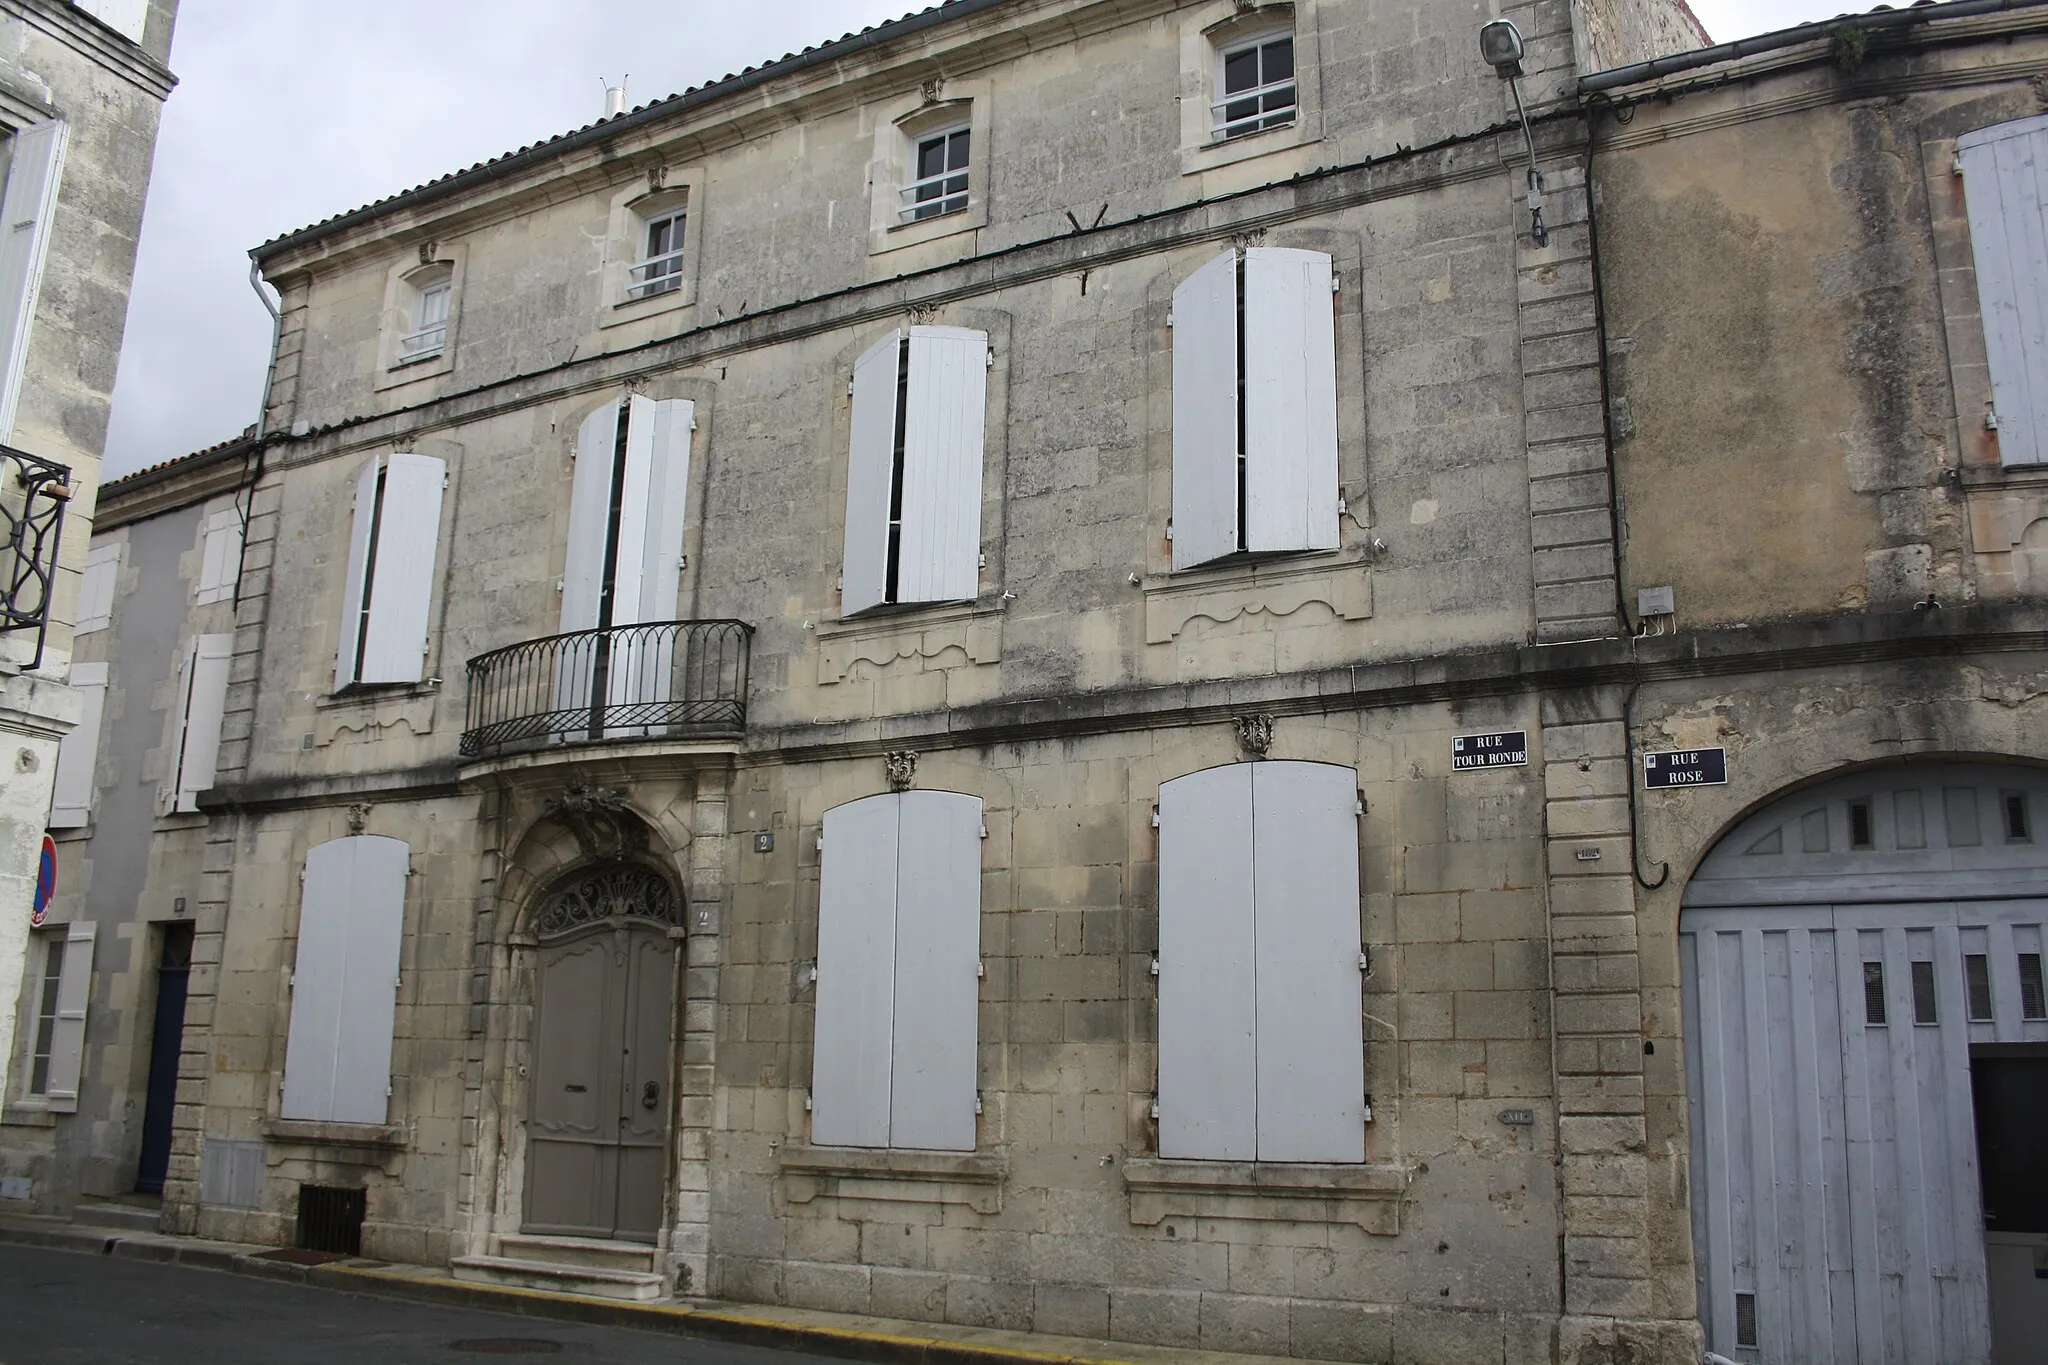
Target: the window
(940, 183)
(1977, 986)
(35, 162)
(913, 475)
(1873, 993)
(1924, 1010)
(337, 1063)
(1255, 86)
(57, 1034)
(1254, 407)
(73, 788)
(202, 703)
(220, 559)
(2005, 183)
(422, 313)
(1261, 1039)
(660, 270)
(899, 953)
(428, 336)
(96, 588)
(389, 587)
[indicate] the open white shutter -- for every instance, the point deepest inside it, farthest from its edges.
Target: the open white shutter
(870, 464)
(631, 563)
(2005, 181)
(1208, 1008)
(96, 587)
(1311, 1047)
(1290, 401)
(402, 581)
(347, 655)
(78, 752)
(590, 511)
(856, 996)
(932, 1077)
(1205, 414)
(345, 985)
(36, 163)
(67, 1033)
(660, 548)
(946, 409)
(220, 557)
(206, 693)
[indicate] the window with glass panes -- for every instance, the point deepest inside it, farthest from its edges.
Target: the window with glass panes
(941, 182)
(1258, 87)
(430, 320)
(46, 1018)
(661, 267)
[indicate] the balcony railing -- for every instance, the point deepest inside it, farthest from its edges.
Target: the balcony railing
(33, 495)
(659, 679)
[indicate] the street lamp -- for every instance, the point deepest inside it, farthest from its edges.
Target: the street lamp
(1500, 44)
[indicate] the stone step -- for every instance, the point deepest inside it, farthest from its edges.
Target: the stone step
(578, 1251)
(127, 1217)
(596, 1281)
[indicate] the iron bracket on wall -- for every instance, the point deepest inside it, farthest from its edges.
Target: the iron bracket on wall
(32, 503)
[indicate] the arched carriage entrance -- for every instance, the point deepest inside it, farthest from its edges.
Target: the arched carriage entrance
(597, 1138)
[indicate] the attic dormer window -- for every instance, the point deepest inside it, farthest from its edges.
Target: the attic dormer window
(1255, 85)
(432, 290)
(660, 269)
(940, 183)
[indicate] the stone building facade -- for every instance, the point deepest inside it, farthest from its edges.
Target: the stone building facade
(838, 616)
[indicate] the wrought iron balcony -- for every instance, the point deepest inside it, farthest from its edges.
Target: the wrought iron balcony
(33, 495)
(654, 680)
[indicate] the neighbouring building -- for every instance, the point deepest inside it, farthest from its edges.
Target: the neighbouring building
(1066, 666)
(81, 88)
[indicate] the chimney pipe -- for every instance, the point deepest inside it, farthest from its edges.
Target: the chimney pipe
(614, 98)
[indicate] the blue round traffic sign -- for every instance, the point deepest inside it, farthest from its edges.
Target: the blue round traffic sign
(46, 882)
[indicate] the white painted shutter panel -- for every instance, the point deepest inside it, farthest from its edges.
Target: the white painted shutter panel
(220, 557)
(856, 996)
(1290, 401)
(35, 165)
(2005, 181)
(659, 549)
(945, 412)
(938, 953)
(1205, 414)
(590, 504)
(126, 17)
(1208, 1056)
(870, 462)
(96, 587)
(353, 600)
(1311, 1043)
(78, 752)
(631, 563)
(345, 985)
(67, 1033)
(206, 694)
(402, 583)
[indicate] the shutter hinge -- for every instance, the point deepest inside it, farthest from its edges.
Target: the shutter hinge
(1957, 165)
(977, 1101)
(814, 973)
(1336, 285)
(561, 586)
(387, 1090)
(990, 357)
(849, 388)
(981, 561)
(1365, 962)
(1155, 966)
(1991, 419)
(807, 1101)
(981, 971)
(291, 983)
(1169, 319)
(1368, 1108)
(683, 562)
(1343, 507)
(1155, 815)
(984, 829)
(821, 843)
(693, 424)
(1169, 529)
(1155, 1107)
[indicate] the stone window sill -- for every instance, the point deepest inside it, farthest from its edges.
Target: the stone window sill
(974, 1179)
(20, 1115)
(320, 1133)
(1369, 1196)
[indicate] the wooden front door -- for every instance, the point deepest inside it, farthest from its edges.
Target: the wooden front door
(597, 1142)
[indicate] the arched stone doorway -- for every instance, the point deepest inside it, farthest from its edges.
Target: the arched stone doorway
(1867, 1064)
(607, 938)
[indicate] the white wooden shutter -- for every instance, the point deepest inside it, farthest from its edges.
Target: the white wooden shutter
(658, 551)
(631, 563)
(1208, 1007)
(856, 995)
(78, 752)
(96, 587)
(2005, 181)
(590, 510)
(1311, 1046)
(36, 163)
(946, 409)
(126, 17)
(402, 581)
(67, 1034)
(206, 694)
(220, 557)
(870, 464)
(932, 1076)
(362, 528)
(345, 984)
(1290, 401)
(1205, 358)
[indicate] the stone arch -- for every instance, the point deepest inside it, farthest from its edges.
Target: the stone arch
(583, 829)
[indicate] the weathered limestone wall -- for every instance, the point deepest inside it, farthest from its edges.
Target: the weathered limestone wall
(1613, 33)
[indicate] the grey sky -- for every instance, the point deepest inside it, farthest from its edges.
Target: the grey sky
(290, 111)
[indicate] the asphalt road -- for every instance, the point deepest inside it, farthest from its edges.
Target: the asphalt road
(67, 1308)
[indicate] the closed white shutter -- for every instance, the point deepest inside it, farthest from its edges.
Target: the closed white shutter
(345, 984)
(402, 581)
(932, 1076)
(220, 557)
(354, 587)
(96, 587)
(35, 164)
(856, 995)
(2005, 181)
(870, 466)
(945, 411)
(1290, 401)
(1205, 425)
(126, 17)
(78, 752)
(206, 692)
(1208, 1005)
(590, 510)
(1311, 1045)
(67, 1033)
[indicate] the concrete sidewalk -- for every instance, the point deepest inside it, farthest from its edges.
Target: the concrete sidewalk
(835, 1334)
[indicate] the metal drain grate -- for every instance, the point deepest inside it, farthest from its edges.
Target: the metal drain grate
(331, 1218)
(507, 1346)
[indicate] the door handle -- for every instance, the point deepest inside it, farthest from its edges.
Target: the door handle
(650, 1095)
(575, 1089)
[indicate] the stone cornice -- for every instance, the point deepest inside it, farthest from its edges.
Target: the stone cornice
(79, 31)
(152, 493)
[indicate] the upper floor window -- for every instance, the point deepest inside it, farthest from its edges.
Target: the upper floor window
(388, 593)
(929, 176)
(660, 268)
(422, 303)
(651, 254)
(432, 290)
(940, 185)
(1255, 86)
